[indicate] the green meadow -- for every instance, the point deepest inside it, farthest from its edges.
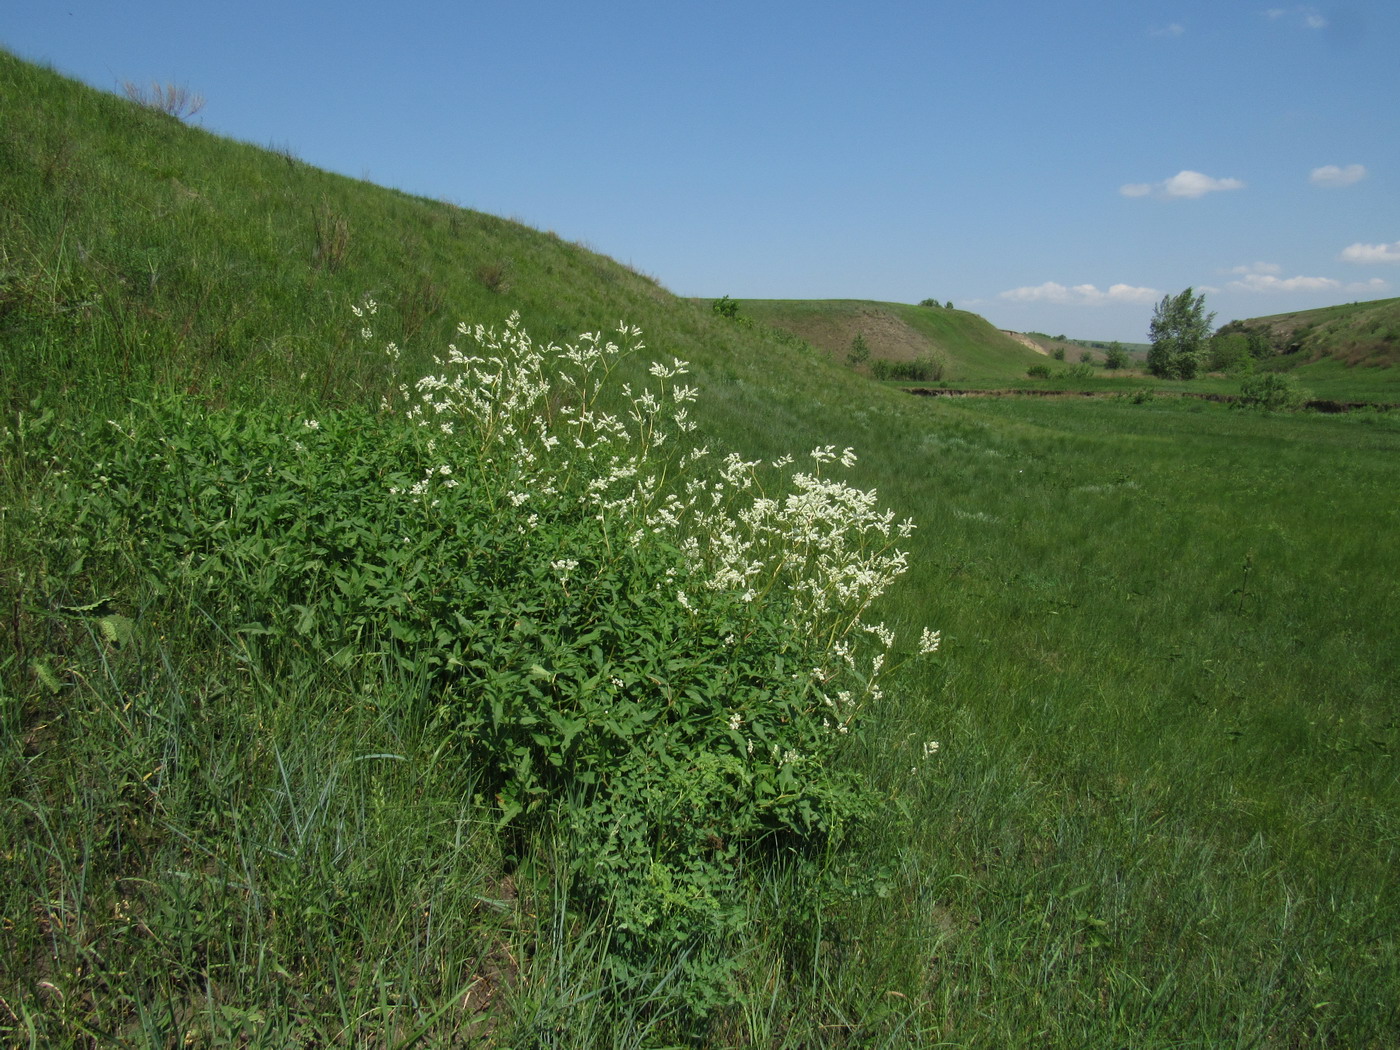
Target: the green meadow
(307, 741)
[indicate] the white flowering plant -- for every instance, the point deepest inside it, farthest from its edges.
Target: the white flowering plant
(659, 649)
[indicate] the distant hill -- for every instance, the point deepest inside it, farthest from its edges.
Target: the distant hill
(972, 348)
(1352, 334)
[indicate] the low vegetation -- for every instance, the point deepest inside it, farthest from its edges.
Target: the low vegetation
(351, 697)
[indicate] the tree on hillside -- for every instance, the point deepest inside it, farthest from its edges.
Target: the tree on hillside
(1179, 330)
(1115, 356)
(859, 352)
(726, 307)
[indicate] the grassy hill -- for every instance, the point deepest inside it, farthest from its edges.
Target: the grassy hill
(307, 740)
(974, 351)
(1365, 334)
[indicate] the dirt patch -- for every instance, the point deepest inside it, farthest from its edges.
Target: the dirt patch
(1027, 342)
(888, 337)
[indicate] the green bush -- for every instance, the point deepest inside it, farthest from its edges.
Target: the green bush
(1115, 356)
(624, 638)
(1038, 372)
(1272, 392)
(859, 352)
(928, 367)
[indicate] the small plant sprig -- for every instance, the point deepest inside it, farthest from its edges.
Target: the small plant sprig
(175, 100)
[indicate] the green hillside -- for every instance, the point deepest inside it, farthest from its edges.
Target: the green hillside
(974, 351)
(1352, 334)
(505, 710)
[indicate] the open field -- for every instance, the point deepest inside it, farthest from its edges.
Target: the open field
(245, 798)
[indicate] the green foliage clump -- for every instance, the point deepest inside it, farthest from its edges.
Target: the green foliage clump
(1272, 392)
(859, 352)
(1179, 330)
(928, 367)
(1115, 356)
(624, 640)
(1038, 372)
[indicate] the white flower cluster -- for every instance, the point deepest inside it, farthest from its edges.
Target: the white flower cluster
(533, 420)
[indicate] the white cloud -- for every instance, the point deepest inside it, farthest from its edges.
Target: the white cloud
(1267, 282)
(1372, 253)
(1375, 286)
(1308, 17)
(1259, 267)
(1190, 184)
(1194, 184)
(1081, 294)
(1331, 175)
(1175, 29)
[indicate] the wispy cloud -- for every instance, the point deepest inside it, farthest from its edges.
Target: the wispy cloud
(1081, 294)
(1332, 176)
(1174, 29)
(1256, 268)
(1184, 184)
(1372, 253)
(1268, 282)
(1307, 17)
(1375, 286)
(1253, 280)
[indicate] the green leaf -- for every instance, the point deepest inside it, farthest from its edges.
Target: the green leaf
(117, 629)
(101, 607)
(49, 680)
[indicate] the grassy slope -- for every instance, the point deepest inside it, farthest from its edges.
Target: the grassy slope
(976, 351)
(1164, 810)
(1353, 333)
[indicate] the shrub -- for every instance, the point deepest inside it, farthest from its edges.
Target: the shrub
(929, 367)
(725, 307)
(658, 651)
(1272, 392)
(859, 352)
(1038, 372)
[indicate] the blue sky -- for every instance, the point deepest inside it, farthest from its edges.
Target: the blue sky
(1055, 167)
